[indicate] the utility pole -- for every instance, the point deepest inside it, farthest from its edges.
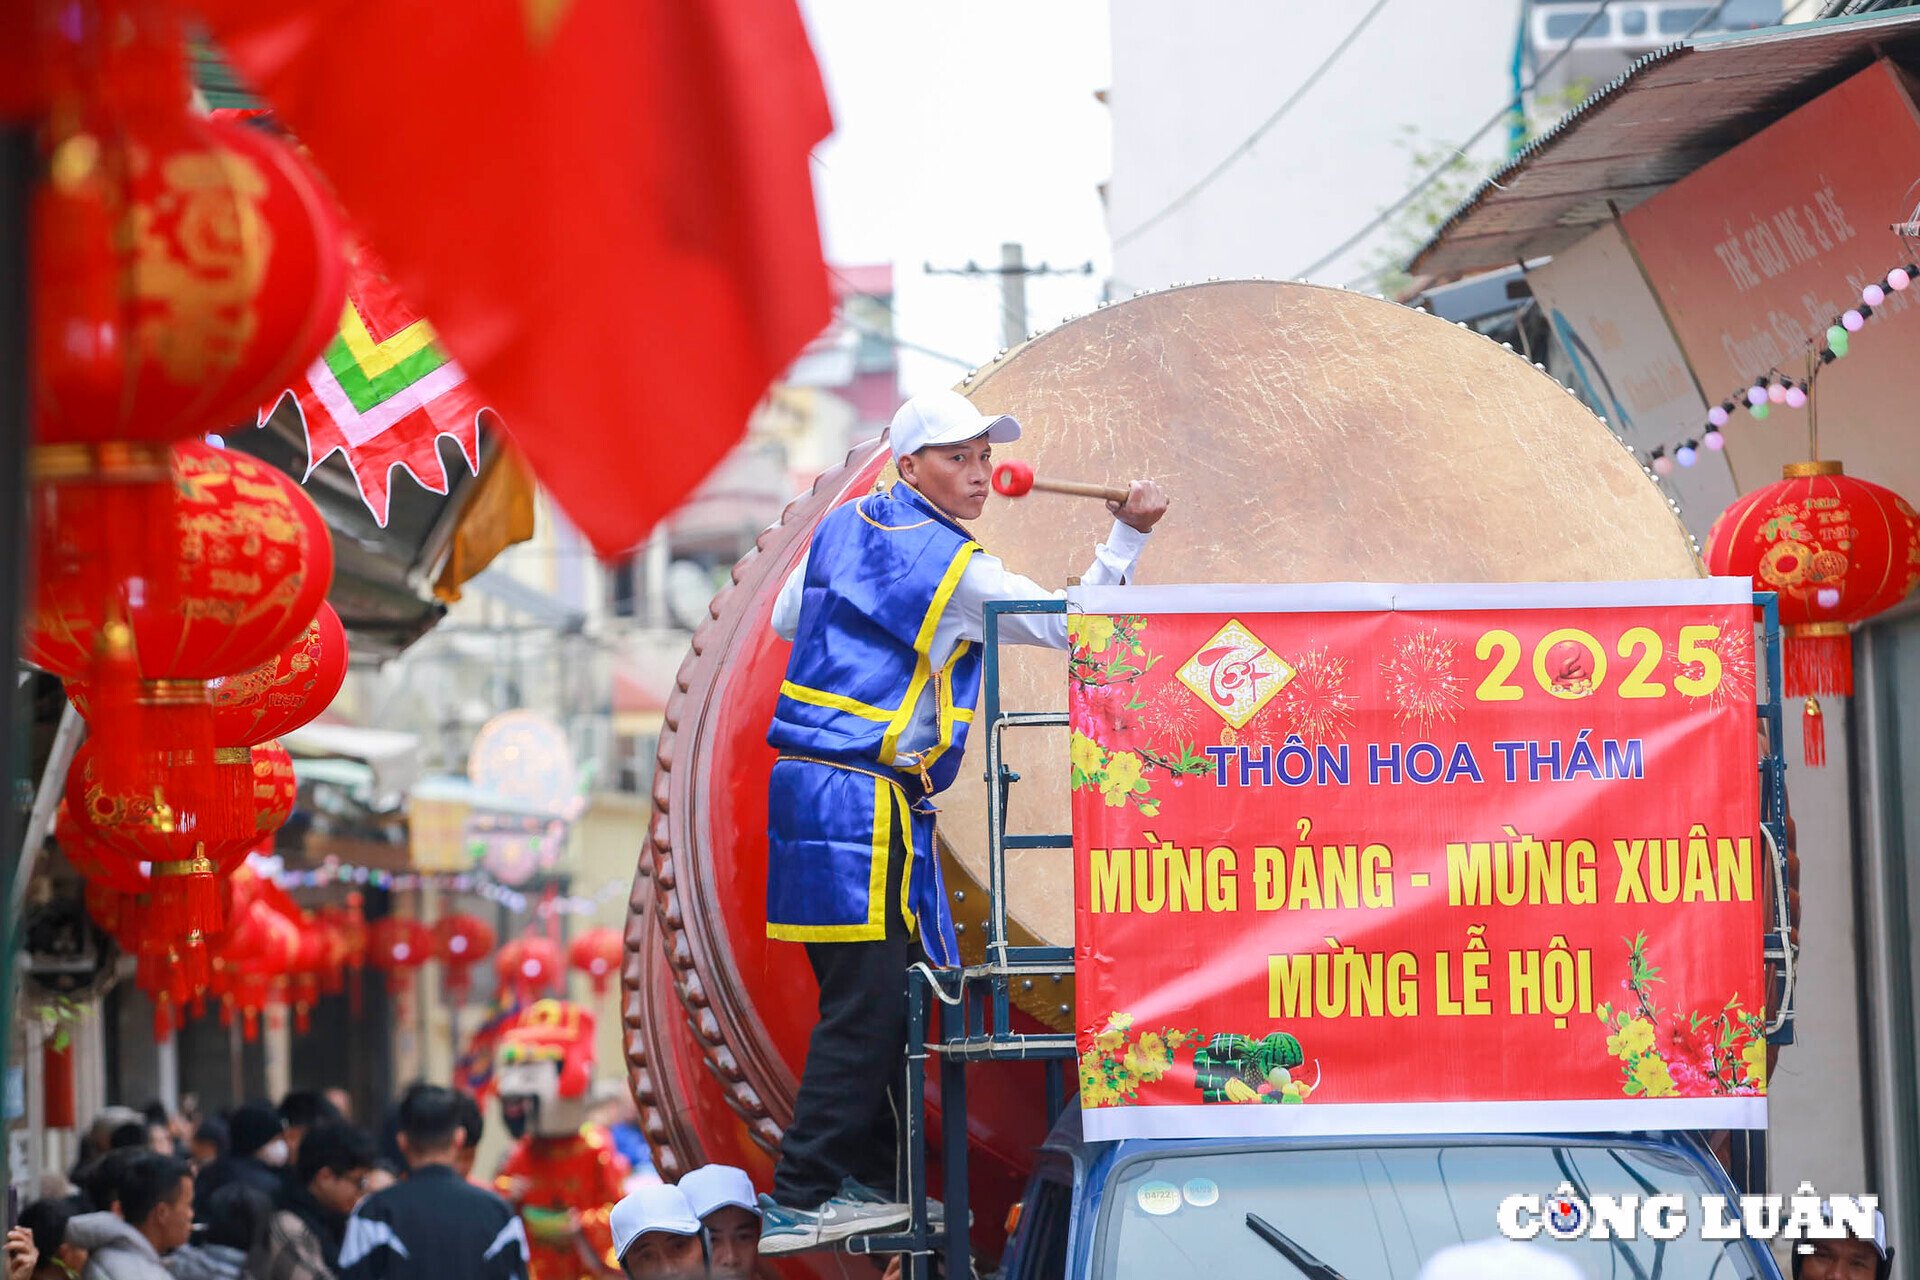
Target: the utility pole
(1013, 272)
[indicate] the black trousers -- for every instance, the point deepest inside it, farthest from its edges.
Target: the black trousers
(847, 1115)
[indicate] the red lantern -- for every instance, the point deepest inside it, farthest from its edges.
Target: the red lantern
(259, 953)
(530, 965)
(96, 861)
(346, 946)
(1837, 550)
(354, 942)
(275, 788)
(399, 946)
(177, 821)
(597, 953)
(249, 566)
(281, 694)
(310, 961)
(182, 266)
(459, 942)
(114, 911)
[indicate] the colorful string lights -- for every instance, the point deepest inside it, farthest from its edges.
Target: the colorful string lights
(1774, 389)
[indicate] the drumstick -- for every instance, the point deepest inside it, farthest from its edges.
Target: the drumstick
(1016, 479)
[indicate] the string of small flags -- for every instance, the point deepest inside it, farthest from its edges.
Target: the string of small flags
(334, 872)
(1774, 389)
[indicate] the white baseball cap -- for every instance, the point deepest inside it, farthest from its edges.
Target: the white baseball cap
(945, 417)
(657, 1207)
(1878, 1240)
(1498, 1260)
(718, 1186)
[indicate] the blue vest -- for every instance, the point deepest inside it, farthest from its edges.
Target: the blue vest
(867, 728)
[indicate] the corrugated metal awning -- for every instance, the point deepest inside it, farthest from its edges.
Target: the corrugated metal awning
(1661, 119)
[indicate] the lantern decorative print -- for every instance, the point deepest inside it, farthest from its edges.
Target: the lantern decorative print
(175, 821)
(597, 953)
(461, 941)
(287, 690)
(249, 564)
(1836, 550)
(182, 265)
(274, 790)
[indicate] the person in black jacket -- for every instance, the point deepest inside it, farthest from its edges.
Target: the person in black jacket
(435, 1225)
(330, 1175)
(258, 1147)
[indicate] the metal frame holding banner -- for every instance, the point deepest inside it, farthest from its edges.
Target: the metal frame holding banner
(964, 1017)
(1357, 859)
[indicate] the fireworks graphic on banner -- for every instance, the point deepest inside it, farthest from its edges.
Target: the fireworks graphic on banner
(1171, 711)
(1423, 681)
(1737, 670)
(1315, 704)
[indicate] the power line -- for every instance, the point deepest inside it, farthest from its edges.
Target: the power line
(1700, 22)
(891, 338)
(1713, 13)
(893, 341)
(1253, 138)
(1379, 220)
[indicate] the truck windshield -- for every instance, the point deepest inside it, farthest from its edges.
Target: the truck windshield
(1380, 1213)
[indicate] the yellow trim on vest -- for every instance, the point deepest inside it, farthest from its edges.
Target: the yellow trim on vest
(945, 714)
(861, 507)
(833, 701)
(887, 794)
(922, 647)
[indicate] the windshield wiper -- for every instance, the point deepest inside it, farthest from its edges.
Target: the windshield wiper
(1288, 1248)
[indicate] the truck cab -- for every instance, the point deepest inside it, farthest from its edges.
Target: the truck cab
(1364, 1209)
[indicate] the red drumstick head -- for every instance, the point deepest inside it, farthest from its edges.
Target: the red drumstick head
(1013, 479)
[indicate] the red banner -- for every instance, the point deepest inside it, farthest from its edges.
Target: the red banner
(1370, 859)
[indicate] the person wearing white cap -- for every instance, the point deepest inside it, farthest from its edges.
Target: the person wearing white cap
(656, 1235)
(1846, 1258)
(1498, 1259)
(723, 1199)
(886, 612)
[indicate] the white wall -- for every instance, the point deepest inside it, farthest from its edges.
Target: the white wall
(1191, 82)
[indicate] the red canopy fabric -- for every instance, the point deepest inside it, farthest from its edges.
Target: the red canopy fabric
(605, 206)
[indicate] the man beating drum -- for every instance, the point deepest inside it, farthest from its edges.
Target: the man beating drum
(886, 613)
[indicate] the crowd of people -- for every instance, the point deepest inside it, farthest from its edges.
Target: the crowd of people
(298, 1191)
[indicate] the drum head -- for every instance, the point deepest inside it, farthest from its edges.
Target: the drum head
(1303, 434)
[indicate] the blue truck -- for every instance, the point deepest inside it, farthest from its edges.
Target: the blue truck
(1358, 1209)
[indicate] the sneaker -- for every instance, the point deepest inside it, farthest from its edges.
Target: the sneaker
(786, 1230)
(861, 1193)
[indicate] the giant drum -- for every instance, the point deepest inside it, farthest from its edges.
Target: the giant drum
(1304, 435)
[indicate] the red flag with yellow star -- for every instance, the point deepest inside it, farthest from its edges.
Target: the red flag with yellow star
(605, 206)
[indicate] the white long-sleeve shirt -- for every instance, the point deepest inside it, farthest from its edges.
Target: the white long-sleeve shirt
(985, 578)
